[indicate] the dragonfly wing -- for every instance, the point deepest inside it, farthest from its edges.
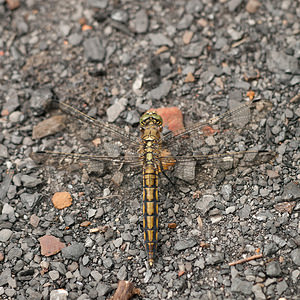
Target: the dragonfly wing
(100, 125)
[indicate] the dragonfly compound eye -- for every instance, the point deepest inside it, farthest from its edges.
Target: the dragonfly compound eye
(151, 116)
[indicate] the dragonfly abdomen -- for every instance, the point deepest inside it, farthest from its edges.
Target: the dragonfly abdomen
(150, 209)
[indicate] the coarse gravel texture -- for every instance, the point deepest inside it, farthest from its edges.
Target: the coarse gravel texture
(136, 55)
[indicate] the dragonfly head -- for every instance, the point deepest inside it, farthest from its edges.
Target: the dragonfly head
(151, 117)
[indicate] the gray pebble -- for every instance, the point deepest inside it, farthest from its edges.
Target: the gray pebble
(96, 275)
(102, 289)
(54, 275)
(74, 251)
(5, 235)
(29, 200)
(114, 110)
(194, 6)
(7, 209)
(84, 271)
(193, 49)
(273, 269)
(185, 22)
(205, 203)
(257, 290)
(244, 213)
(93, 49)
(226, 191)
(30, 181)
(291, 191)
(16, 117)
(120, 16)
(161, 91)
(3, 151)
(185, 244)
(14, 252)
(234, 4)
(158, 39)
(75, 39)
(40, 100)
(214, 258)
(295, 255)
(98, 3)
(12, 101)
(5, 276)
(281, 287)
(122, 273)
(141, 21)
(242, 286)
(107, 263)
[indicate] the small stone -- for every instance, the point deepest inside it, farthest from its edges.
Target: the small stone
(114, 110)
(34, 220)
(54, 275)
(3, 151)
(49, 126)
(214, 258)
(241, 286)
(98, 3)
(194, 49)
(14, 252)
(244, 213)
(273, 269)
(122, 273)
(194, 6)
(252, 6)
(58, 294)
(30, 181)
(291, 191)
(75, 39)
(118, 242)
(93, 49)
(185, 22)
(61, 200)
(257, 290)
(91, 213)
(295, 255)
(234, 4)
(96, 275)
(158, 39)
(161, 91)
(74, 251)
(40, 100)
(205, 203)
(50, 245)
(119, 15)
(185, 244)
(5, 235)
(141, 21)
(281, 287)
(102, 289)
(13, 4)
(7, 209)
(16, 117)
(187, 37)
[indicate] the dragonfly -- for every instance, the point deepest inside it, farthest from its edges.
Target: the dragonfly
(157, 151)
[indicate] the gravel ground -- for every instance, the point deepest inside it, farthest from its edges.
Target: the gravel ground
(114, 60)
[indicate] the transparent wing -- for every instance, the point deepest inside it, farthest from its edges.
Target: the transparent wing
(223, 142)
(127, 139)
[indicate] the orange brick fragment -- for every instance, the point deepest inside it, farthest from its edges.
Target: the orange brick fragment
(50, 245)
(85, 224)
(61, 200)
(86, 27)
(189, 77)
(172, 118)
(251, 94)
(161, 50)
(172, 225)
